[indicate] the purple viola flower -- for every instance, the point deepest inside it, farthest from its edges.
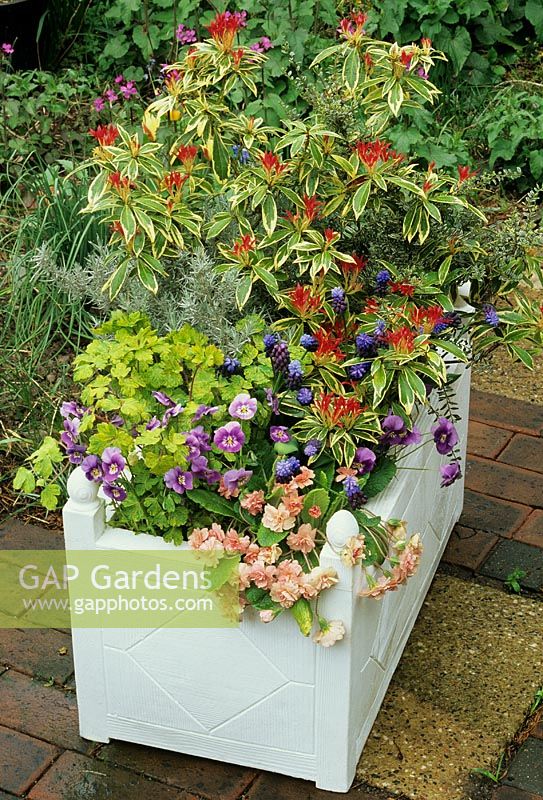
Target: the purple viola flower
(286, 469)
(153, 423)
(71, 408)
(364, 460)
(70, 434)
(203, 411)
(201, 437)
(92, 467)
(114, 492)
(71, 426)
(235, 478)
(117, 421)
(305, 396)
(230, 438)
(445, 436)
(178, 480)
(272, 400)
(243, 406)
(396, 432)
(279, 433)
(76, 454)
(450, 473)
(212, 476)
(163, 399)
(312, 447)
(113, 464)
(198, 464)
(174, 411)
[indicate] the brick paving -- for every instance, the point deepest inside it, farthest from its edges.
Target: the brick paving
(42, 756)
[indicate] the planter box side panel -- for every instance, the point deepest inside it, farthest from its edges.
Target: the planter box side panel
(381, 627)
(244, 695)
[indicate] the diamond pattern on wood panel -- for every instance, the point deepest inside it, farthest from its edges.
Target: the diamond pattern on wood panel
(221, 690)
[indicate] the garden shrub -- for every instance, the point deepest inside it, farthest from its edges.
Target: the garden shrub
(135, 38)
(477, 36)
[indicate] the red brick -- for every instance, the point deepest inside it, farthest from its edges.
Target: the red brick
(22, 760)
(36, 652)
(510, 793)
(468, 548)
(531, 531)
(538, 731)
(76, 776)
(524, 451)
(279, 787)
(15, 535)
(504, 412)
(504, 481)
(42, 711)
(209, 779)
(483, 513)
(486, 441)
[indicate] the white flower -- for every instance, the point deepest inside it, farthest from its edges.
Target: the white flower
(329, 633)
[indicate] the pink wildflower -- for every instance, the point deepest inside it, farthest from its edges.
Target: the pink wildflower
(185, 35)
(128, 90)
(99, 104)
(111, 96)
(7, 49)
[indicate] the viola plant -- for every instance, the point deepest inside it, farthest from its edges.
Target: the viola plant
(202, 458)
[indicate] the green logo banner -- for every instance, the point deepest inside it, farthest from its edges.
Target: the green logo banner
(118, 589)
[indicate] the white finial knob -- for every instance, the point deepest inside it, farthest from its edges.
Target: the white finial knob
(81, 491)
(341, 526)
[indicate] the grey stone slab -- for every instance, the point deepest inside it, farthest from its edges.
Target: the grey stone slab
(526, 770)
(510, 555)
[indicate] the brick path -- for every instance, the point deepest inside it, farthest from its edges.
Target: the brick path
(42, 756)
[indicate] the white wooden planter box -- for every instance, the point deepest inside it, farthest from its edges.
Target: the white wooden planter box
(262, 695)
